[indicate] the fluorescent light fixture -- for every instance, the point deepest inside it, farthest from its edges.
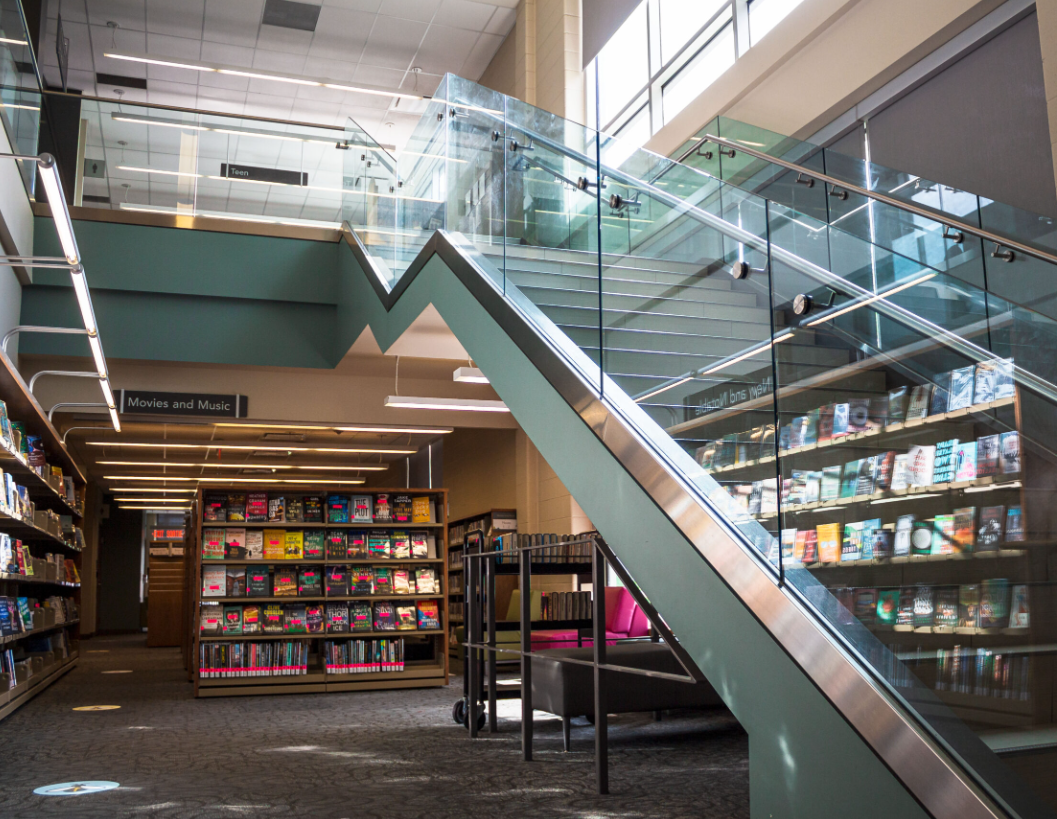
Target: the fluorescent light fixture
(152, 500)
(258, 75)
(219, 465)
(12, 41)
(144, 478)
(108, 394)
(23, 107)
(158, 170)
(470, 375)
(993, 487)
(457, 404)
(856, 305)
(115, 420)
(235, 218)
(156, 490)
(187, 126)
(155, 509)
(100, 362)
(321, 428)
(49, 174)
(905, 497)
(327, 481)
(255, 447)
(84, 303)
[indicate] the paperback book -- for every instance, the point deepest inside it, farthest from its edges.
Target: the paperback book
(236, 508)
(943, 535)
(337, 509)
(400, 547)
(251, 619)
(384, 616)
(419, 545)
(887, 607)
(272, 618)
(840, 420)
(274, 544)
(897, 405)
(405, 617)
(337, 581)
(256, 507)
(212, 544)
(921, 460)
(883, 469)
(943, 465)
(829, 542)
(984, 390)
(314, 623)
(236, 581)
(313, 509)
(357, 544)
(858, 415)
(420, 511)
(235, 544)
(428, 614)
(987, 450)
(258, 582)
(994, 603)
(850, 479)
(383, 512)
(1009, 449)
(309, 582)
(1014, 525)
(294, 545)
(924, 606)
(362, 511)
(1019, 611)
(426, 581)
(946, 616)
(992, 525)
(360, 618)
(254, 544)
(337, 618)
(337, 548)
(295, 618)
(214, 581)
(277, 509)
(378, 546)
(919, 402)
(401, 509)
(940, 394)
(1005, 386)
(295, 510)
(314, 544)
(900, 472)
(215, 508)
(969, 605)
(284, 583)
(964, 529)
(965, 461)
(961, 395)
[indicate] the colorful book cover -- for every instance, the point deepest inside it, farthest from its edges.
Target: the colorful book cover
(428, 614)
(987, 456)
(851, 548)
(1009, 452)
(378, 546)
(858, 415)
(357, 544)
(361, 581)
(810, 548)
(313, 505)
(401, 545)
(850, 479)
(212, 620)
(402, 509)
(277, 509)
(1019, 610)
(921, 460)
(994, 603)
(1005, 386)
(905, 615)
(294, 545)
(258, 582)
(964, 529)
(943, 461)
(943, 535)
(235, 544)
(272, 618)
(383, 512)
(383, 581)
(362, 509)
(212, 544)
(788, 542)
(337, 618)
(274, 544)
(215, 508)
(965, 461)
(284, 583)
(924, 606)
(360, 617)
(946, 607)
(825, 423)
(878, 415)
(865, 606)
(401, 582)
(830, 489)
(405, 617)
(882, 541)
(887, 607)
(232, 620)
(314, 623)
(214, 581)
(897, 405)
(940, 394)
(337, 581)
(961, 395)
(921, 535)
(315, 544)
(337, 509)
(992, 525)
(337, 548)
(426, 581)
(384, 616)
(295, 510)
(919, 402)
(254, 544)
(295, 618)
(969, 605)
(236, 508)
(236, 581)
(309, 582)
(1014, 525)
(984, 389)
(251, 619)
(785, 438)
(256, 507)
(900, 472)
(864, 481)
(840, 420)
(884, 464)
(829, 542)
(419, 545)
(420, 509)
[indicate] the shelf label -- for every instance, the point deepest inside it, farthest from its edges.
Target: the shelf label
(147, 402)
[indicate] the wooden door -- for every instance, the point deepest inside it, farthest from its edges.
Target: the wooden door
(166, 597)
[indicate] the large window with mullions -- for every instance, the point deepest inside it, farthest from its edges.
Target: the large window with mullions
(666, 53)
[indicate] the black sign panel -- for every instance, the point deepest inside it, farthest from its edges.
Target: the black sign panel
(748, 388)
(254, 174)
(144, 402)
(62, 53)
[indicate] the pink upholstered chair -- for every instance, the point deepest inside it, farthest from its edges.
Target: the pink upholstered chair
(620, 612)
(640, 624)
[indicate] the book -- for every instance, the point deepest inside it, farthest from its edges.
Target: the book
(378, 546)
(964, 529)
(211, 620)
(313, 509)
(788, 542)
(965, 461)
(215, 508)
(295, 618)
(1009, 452)
(882, 542)
(984, 388)
(428, 614)
(921, 536)
(940, 394)
(858, 415)
(360, 618)
(851, 548)
(272, 618)
(850, 479)
(987, 456)
(294, 545)
(877, 417)
(1005, 385)
(919, 402)
(1014, 525)
(384, 616)
(812, 486)
(405, 617)
(994, 603)
(295, 510)
(785, 440)
(943, 535)
(825, 423)
(383, 581)
(362, 510)
(337, 509)
(236, 508)
(401, 509)
(829, 542)
(900, 472)
(258, 582)
(920, 460)
(284, 583)
(420, 512)
(236, 581)
(883, 466)
(924, 606)
(905, 614)
(251, 619)
(426, 581)
(212, 544)
(864, 484)
(337, 618)
(989, 535)
(235, 544)
(961, 391)
(969, 605)
(897, 405)
(232, 620)
(864, 605)
(314, 623)
(943, 462)
(887, 607)
(361, 581)
(337, 548)
(214, 581)
(357, 544)
(309, 582)
(1019, 610)
(756, 498)
(830, 488)
(400, 545)
(840, 420)
(277, 509)
(946, 616)
(810, 553)
(274, 544)
(383, 512)
(314, 544)
(419, 545)
(337, 581)
(254, 544)
(256, 507)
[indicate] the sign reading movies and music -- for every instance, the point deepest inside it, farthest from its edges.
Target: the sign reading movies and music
(148, 402)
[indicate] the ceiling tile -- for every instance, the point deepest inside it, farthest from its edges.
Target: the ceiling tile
(502, 22)
(445, 49)
(224, 54)
(341, 34)
(279, 62)
(128, 14)
(410, 9)
(393, 43)
(233, 22)
(288, 40)
(384, 77)
(330, 69)
(464, 14)
(480, 56)
(179, 18)
(210, 80)
(162, 45)
(355, 5)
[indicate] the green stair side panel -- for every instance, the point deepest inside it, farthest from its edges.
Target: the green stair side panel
(194, 262)
(805, 760)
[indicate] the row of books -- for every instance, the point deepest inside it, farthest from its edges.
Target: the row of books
(363, 656)
(575, 605)
(19, 615)
(271, 659)
(30, 450)
(17, 663)
(309, 581)
(958, 389)
(559, 548)
(990, 604)
(260, 507)
(280, 544)
(315, 618)
(984, 672)
(946, 534)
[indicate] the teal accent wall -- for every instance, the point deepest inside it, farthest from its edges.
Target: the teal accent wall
(169, 294)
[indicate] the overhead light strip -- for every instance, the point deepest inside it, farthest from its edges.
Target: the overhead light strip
(304, 481)
(319, 428)
(153, 489)
(220, 465)
(256, 447)
(456, 404)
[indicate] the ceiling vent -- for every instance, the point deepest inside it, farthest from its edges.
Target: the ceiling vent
(285, 14)
(120, 80)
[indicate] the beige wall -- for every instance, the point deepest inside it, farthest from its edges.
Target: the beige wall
(544, 505)
(499, 76)
(480, 471)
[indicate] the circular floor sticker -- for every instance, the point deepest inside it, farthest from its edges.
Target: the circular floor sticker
(96, 707)
(75, 788)
(118, 671)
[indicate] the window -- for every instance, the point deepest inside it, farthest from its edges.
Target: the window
(715, 57)
(631, 136)
(681, 20)
(623, 66)
(765, 15)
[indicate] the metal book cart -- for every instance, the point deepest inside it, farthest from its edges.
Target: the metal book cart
(481, 568)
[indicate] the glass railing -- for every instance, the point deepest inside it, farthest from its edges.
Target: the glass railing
(1017, 277)
(875, 426)
(20, 97)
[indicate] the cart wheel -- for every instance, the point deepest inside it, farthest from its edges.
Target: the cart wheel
(480, 720)
(458, 712)
(590, 718)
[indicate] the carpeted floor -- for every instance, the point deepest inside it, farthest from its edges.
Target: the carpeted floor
(358, 755)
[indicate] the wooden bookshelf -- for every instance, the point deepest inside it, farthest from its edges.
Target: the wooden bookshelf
(425, 665)
(47, 492)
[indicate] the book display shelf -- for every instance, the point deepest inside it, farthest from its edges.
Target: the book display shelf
(314, 591)
(41, 540)
(907, 489)
(492, 523)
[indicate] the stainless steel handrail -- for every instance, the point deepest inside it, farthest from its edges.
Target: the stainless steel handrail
(917, 210)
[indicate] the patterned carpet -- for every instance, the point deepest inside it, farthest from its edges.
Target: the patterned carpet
(358, 755)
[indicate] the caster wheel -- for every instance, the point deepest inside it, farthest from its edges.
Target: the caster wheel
(590, 718)
(480, 720)
(458, 712)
